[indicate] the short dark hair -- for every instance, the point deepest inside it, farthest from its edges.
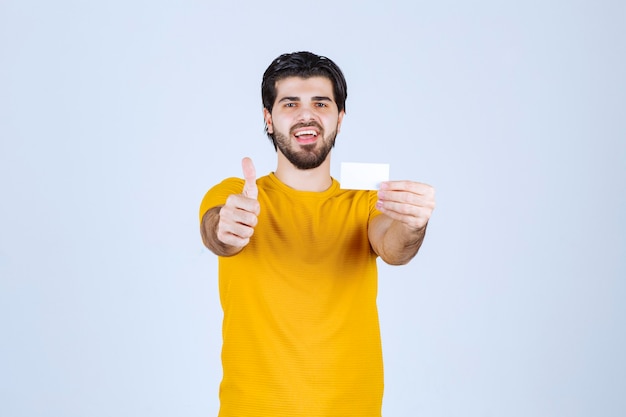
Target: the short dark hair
(305, 65)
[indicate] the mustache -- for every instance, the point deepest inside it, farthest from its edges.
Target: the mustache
(307, 124)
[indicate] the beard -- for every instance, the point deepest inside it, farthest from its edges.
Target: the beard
(308, 156)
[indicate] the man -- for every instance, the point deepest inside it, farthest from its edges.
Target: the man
(297, 259)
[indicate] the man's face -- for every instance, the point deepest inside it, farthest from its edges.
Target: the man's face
(305, 120)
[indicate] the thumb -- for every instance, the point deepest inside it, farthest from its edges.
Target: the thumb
(250, 189)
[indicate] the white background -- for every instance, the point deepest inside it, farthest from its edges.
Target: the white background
(116, 117)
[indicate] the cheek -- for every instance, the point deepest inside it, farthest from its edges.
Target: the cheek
(281, 125)
(332, 123)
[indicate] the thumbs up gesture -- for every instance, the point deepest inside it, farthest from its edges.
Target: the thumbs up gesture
(239, 216)
(249, 174)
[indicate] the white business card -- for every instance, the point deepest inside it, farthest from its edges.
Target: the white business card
(362, 176)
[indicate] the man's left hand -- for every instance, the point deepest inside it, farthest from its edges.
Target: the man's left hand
(408, 202)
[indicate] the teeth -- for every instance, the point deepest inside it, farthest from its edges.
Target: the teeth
(307, 132)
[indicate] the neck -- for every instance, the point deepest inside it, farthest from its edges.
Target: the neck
(316, 179)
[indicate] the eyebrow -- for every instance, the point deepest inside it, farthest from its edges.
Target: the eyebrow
(321, 98)
(314, 98)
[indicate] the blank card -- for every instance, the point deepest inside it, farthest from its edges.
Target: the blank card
(361, 176)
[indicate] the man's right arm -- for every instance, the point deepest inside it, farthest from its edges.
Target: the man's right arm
(208, 230)
(227, 229)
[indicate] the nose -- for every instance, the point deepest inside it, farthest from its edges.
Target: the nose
(306, 114)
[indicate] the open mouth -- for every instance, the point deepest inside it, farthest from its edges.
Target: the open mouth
(306, 135)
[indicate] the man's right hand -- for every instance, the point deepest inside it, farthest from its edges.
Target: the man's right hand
(239, 216)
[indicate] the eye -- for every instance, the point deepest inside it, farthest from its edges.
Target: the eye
(290, 104)
(321, 105)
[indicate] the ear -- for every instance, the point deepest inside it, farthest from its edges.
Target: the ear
(268, 121)
(340, 119)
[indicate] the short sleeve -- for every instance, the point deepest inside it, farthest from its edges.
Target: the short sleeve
(217, 195)
(373, 198)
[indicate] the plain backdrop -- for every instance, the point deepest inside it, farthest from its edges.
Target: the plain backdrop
(117, 116)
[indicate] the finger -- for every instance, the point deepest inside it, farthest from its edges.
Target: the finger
(408, 192)
(250, 189)
(239, 202)
(236, 226)
(411, 216)
(233, 239)
(411, 186)
(235, 230)
(409, 198)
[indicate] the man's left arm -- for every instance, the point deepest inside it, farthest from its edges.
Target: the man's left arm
(397, 234)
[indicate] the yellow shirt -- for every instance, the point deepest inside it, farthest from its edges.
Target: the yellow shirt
(300, 331)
